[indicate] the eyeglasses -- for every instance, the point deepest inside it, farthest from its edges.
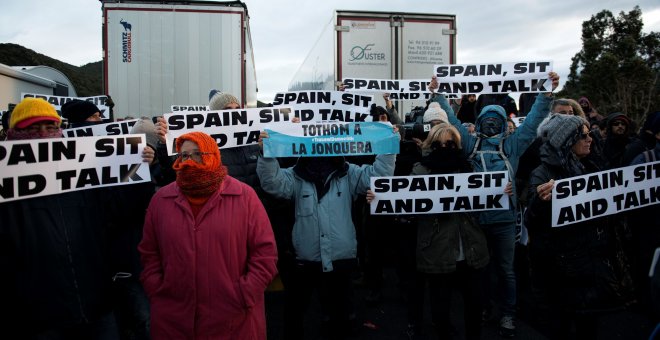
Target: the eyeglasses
(195, 156)
(584, 135)
(564, 113)
(618, 122)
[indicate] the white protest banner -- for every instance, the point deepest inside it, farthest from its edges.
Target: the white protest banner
(188, 108)
(41, 167)
(494, 78)
(58, 101)
(340, 99)
(518, 120)
(581, 198)
(109, 129)
(386, 85)
(435, 194)
(319, 139)
(234, 128)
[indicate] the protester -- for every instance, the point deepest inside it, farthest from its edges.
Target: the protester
(324, 239)
(392, 113)
(502, 99)
(645, 231)
(451, 249)
(5, 125)
(131, 305)
(81, 113)
(53, 249)
(618, 137)
(208, 250)
(493, 150)
(645, 139)
(467, 113)
(590, 112)
(510, 126)
(575, 262)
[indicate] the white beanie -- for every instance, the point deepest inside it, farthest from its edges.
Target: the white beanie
(435, 112)
(220, 100)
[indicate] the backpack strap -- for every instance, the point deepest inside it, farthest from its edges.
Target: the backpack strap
(499, 152)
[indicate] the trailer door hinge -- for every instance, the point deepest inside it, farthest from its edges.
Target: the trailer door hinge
(396, 21)
(448, 32)
(342, 28)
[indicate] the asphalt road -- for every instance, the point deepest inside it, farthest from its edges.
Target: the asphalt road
(387, 320)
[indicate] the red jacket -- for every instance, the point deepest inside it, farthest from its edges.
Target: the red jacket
(206, 277)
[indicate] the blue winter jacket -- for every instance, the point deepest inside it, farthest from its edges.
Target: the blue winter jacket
(513, 146)
(323, 230)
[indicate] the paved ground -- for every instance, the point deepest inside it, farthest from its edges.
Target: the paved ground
(389, 319)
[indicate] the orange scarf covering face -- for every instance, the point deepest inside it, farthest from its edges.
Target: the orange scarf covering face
(198, 181)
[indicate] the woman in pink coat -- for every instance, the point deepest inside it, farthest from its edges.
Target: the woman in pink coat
(208, 251)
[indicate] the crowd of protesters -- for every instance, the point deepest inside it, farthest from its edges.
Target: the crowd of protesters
(190, 253)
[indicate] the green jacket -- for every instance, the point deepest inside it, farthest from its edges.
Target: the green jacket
(439, 237)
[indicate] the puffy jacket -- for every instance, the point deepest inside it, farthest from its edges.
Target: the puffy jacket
(206, 276)
(513, 146)
(324, 230)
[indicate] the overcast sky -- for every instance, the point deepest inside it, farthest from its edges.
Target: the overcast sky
(283, 31)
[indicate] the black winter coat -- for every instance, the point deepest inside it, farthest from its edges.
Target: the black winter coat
(575, 262)
(53, 258)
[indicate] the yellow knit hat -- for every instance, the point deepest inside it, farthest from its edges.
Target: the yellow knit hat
(32, 110)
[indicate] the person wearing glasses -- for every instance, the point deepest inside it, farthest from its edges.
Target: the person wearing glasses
(577, 278)
(208, 250)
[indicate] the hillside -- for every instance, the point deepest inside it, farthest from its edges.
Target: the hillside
(87, 79)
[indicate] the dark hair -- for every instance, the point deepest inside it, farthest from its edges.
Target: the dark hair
(5, 120)
(376, 111)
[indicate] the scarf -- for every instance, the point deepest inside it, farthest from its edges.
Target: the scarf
(17, 134)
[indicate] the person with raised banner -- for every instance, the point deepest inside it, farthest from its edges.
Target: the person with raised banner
(579, 270)
(324, 239)
(494, 150)
(53, 248)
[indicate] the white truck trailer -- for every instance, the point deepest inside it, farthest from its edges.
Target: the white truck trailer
(378, 45)
(162, 53)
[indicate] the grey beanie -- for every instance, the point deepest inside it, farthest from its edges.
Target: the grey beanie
(147, 127)
(220, 100)
(558, 130)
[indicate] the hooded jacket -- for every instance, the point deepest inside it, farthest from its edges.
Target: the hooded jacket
(323, 230)
(513, 146)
